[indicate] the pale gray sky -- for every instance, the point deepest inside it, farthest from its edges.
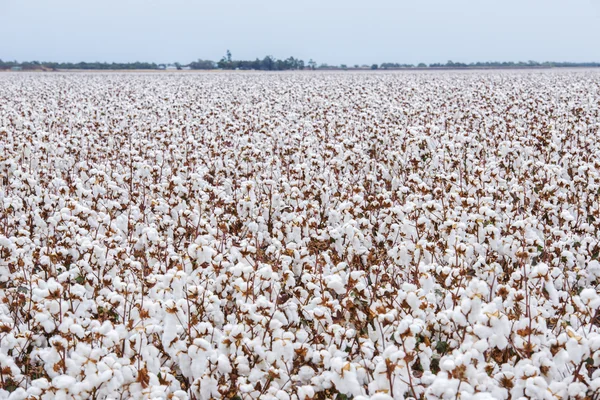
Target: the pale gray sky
(334, 31)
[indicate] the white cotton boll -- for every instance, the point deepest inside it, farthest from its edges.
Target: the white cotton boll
(306, 391)
(5, 242)
(481, 346)
(169, 329)
(18, 394)
(247, 388)
(121, 223)
(577, 390)
(458, 315)
(77, 330)
(151, 234)
(282, 395)
(63, 381)
(46, 322)
(567, 216)
(255, 375)
(106, 328)
(482, 331)
(535, 387)
(41, 383)
(53, 307)
(306, 373)
(336, 284)
(590, 298)
(302, 335)
(552, 292)
(345, 378)
(31, 391)
(284, 348)
(180, 395)
(540, 270)
(558, 388)
(575, 351)
(593, 268)
(223, 364)
(158, 392)
(447, 365)
(413, 301)
(595, 383)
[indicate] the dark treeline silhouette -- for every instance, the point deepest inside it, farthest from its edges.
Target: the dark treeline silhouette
(203, 64)
(270, 63)
(397, 65)
(511, 64)
(35, 65)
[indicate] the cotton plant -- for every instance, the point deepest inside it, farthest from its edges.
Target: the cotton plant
(300, 236)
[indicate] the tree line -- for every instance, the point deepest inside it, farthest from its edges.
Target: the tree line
(36, 65)
(270, 63)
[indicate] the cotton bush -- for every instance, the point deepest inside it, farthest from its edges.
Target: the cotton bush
(300, 235)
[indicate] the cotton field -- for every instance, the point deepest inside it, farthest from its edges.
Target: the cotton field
(300, 235)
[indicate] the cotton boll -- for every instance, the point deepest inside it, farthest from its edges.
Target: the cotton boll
(336, 284)
(577, 389)
(447, 365)
(345, 378)
(305, 373)
(552, 292)
(590, 298)
(575, 350)
(63, 382)
(305, 392)
(594, 268)
(169, 330)
(18, 394)
(180, 395)
(223, 364)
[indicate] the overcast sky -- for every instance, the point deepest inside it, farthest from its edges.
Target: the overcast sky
(334, 31)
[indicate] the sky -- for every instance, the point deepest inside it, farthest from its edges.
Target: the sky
(327, 31)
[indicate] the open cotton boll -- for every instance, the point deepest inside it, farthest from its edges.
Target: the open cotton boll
(223, 364)
(336, 283)
(590, 298)
(344, 377)
(63, 381)
(594, 268)
(169, 332)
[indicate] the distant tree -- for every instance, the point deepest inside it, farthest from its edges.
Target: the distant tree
(374, 66)
(267, 64)
(422, 65)
(226, 62)
(395, 65)
(312, 64)
(202, 64)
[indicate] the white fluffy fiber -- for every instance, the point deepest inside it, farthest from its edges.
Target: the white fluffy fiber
(300, 235)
